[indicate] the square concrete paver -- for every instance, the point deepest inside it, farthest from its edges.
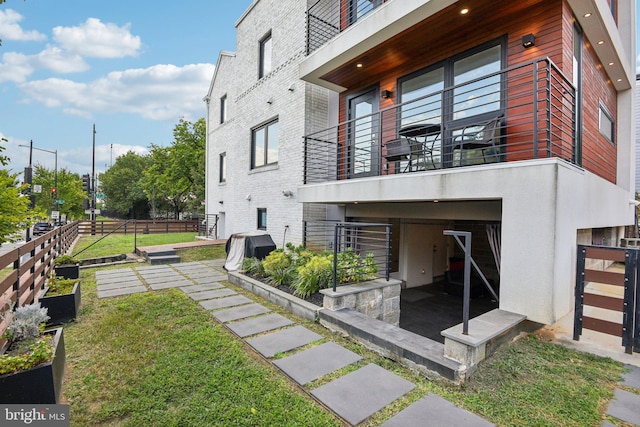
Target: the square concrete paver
(362, 393)
(120, 285)
(631, 378)
(280, 341)
(117, 279)
(311, 364)
(207, 280)
(256, 325)
(213, 304)
(120, 291)
(625, 406)
(115, 273)
(153, 268)
(168, 285)
(239, 312)
(438, 412)
(200, 288)
(216, 293)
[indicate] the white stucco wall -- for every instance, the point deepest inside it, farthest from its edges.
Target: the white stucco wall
(544, 203)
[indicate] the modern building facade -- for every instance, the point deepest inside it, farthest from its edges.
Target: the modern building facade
(512, 120)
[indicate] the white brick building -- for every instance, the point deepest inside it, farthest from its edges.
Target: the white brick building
(253, 186)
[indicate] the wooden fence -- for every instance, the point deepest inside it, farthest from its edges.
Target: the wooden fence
(102, 227)
(24, 270)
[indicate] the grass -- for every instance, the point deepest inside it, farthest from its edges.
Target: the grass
(117, 244)
(158, 358)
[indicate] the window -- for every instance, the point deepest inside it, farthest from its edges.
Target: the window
(265, 56)
(262, 218)
(223, 168)
(264, 145)
(606, 124)
(223, 109)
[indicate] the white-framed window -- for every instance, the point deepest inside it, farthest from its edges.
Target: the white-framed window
(223, 108)
(606, 124)
(262, 219)
(264, 144)
(223, 168)
(266, 51)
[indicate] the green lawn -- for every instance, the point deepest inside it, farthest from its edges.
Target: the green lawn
(117, 244)
(159, 359)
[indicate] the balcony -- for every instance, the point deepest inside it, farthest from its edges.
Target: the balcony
(523, 112)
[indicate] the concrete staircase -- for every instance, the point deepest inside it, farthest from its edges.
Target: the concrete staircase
(164, 256)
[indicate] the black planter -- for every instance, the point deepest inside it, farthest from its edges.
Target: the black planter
(61, 308)
(39, 385)
(68, 271)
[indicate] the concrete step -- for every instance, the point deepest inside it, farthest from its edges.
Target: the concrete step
(160, 252)
(163, 259)
(398, 344)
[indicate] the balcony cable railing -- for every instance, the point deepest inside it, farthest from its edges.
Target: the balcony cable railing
(523, 112)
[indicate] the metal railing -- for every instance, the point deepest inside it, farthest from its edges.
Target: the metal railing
(328, 18)
(209, 226)
(532, 103)
(359, 249)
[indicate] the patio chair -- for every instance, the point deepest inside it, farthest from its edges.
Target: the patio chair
(483, 137)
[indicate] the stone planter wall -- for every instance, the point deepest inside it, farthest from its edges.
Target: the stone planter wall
(39, 385)
(377, 299)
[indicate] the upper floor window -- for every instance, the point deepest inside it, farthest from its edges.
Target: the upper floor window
(223, 168)
(223, 109)
(264, 144)
(606, 124)
(265, 56)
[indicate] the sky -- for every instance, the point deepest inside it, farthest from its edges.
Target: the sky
(133, 68)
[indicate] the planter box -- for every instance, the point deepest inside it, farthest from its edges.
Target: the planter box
(61, 308)
(39, 385)
(70, 271)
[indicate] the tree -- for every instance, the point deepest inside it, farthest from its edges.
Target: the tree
(176, 175)
(14, 207)
(68, 190)
(122, 185)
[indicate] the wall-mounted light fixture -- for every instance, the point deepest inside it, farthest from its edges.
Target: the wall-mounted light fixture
(385, 94)
(292, 87)
(528, 41)
(287, 193)
(221, 202)
(270, 100)
(248, 197)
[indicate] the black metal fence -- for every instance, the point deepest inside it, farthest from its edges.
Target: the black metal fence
(359, 249)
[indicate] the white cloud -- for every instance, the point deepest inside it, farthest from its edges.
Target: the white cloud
(98, 40)
(160, 92)
(11, 30)
(15, 67)
(59, 61)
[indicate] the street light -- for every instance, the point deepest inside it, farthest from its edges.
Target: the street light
(55, 179)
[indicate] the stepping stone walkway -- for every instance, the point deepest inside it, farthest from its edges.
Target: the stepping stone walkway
(301, 354)
(625, 405)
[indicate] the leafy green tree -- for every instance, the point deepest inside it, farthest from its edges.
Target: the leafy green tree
(14, 207)
(69, 191)
(176, 176)
(123, 183)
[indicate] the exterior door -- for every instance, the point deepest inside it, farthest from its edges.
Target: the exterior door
(363, 142)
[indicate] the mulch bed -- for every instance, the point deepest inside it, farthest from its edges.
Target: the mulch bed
(316, 298)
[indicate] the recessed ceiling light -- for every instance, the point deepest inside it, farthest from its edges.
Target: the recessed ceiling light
(588, 14)
(464, 11)
(611, 63)
(359, 65)
(601, 42)
(619, 80)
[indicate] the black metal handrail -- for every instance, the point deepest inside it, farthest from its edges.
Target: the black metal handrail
(534, 103)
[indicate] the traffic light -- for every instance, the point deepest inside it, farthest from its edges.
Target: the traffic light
(86, 183)
(54, 192)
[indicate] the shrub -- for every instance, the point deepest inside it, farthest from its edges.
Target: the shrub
(316, 274)
(65, 260)
(352, 268)
(253, 266)
(279, 268)
(28, 322)
(60, 286)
